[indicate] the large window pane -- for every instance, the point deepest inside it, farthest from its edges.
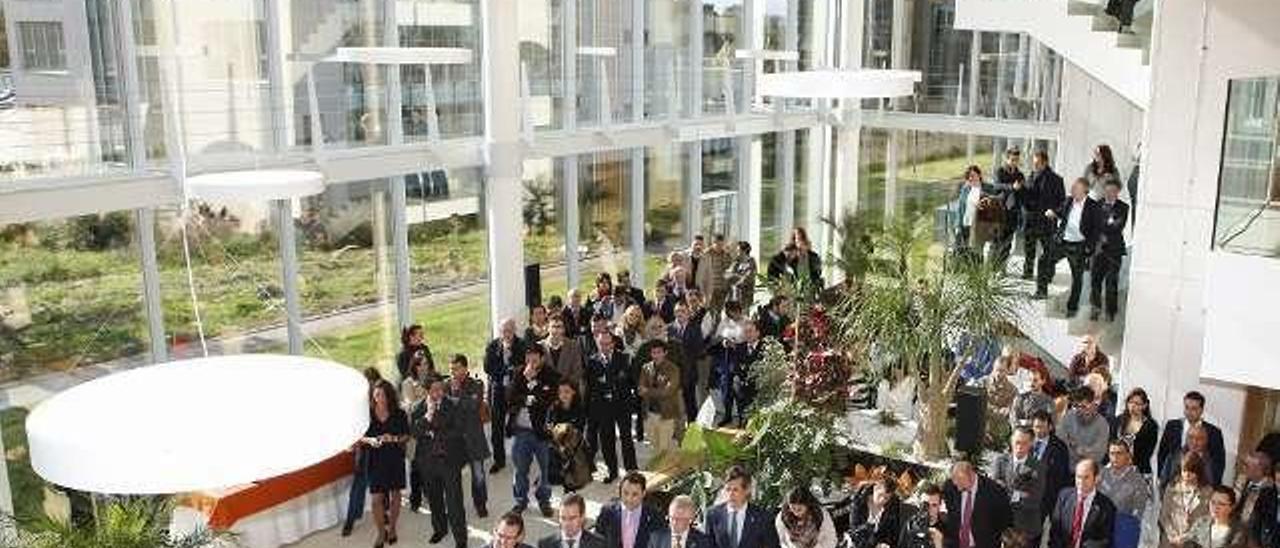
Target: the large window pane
(1249, 185)
(70, 296)
(664, 194)
(544, 221)
(542, 61)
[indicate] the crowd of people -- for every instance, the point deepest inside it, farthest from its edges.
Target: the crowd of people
(1083, 223)
(591, 375)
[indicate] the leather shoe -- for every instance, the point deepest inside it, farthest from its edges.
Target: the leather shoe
(545, 508)
(495, 468)
(518, 509)
(482, 512)
(437, 536)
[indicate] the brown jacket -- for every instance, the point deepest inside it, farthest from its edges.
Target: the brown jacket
(569, 363)
(660, 389)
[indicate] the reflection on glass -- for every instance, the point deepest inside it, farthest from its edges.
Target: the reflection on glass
(602, 212)
(542, 61)
(235, 269)
(664, 192)
(1248, 214)
(544, 236)
(346, 275)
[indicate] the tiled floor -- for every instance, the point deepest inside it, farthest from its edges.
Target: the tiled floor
(414, 529)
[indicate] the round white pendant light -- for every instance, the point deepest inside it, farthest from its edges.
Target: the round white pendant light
(196, 424)
(838, 84)
(255, 185)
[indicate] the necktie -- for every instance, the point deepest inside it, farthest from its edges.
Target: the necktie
(1077, 522)
(966, 512)
(733, 528)
(628, 528)
(1039, 449)
(569, 543)
(677, 541)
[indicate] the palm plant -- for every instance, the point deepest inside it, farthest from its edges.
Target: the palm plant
(133, 523)
(915, 306)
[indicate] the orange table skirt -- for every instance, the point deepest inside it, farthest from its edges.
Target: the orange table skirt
(227, 506)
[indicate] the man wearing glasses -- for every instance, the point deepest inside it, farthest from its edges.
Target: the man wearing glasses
(1083, 430)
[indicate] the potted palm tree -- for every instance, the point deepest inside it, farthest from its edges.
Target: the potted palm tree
(914, 305)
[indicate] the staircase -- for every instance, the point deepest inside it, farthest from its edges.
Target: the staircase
(1078, 30)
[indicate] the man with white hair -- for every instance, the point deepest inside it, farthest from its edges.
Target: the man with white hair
(679, 532)
(503, 355)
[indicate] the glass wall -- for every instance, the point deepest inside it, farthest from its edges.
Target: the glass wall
(542, 62)
(665, 198)
(70, 297)
(1249, 182)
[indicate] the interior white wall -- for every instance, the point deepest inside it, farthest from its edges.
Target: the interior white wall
(1198, 47)
(1094, 114)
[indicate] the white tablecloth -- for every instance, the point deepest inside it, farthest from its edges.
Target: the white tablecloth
(284, 523)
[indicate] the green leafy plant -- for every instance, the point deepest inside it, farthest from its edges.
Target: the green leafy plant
(913, 304)
(769, 375)
(136, 523)
(792, 444)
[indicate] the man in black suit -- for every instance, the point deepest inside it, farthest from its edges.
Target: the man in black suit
(502, 356)
(1043, 192)
(750, 351)
(1257, 492)
(1264, 524)
(628, 294)
(508, 532)
(572, 533)
(981, 506)
(441, 452)
(1174, 437)
(1054, 458)
(1022, 476)
(1112, 216)
(688, 334)
(772, 317)
(922, 526)
(1075, 235)
(875, 518)
(680, 533)
(626, 522)
(736, 523)
(1083, 517)
(609, 388)
(530, 394)
(1009, 180)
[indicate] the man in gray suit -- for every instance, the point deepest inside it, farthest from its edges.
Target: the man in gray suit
(573, 532)
(1023, 477)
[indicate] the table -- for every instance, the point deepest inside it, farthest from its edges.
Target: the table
(275, 511)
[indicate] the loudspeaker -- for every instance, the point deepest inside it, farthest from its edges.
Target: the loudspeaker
(971, 410)
(532, 284)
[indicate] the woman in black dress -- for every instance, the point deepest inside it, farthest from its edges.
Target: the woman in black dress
(413, 344)
(388, 431)
(568, 410)
(1135, 426)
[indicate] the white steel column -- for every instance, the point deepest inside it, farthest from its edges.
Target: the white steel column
(844, 192)
(503, 159)
(891, 174)
(637, 194)
(785, 170)
(398, 206)
(975, 70)
(569, 121)
(748, 148)
(283, 210)
(693, 109)
(144, 218)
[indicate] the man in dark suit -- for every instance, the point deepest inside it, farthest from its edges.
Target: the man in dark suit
(502, 356)
(1083, 517)
(1264, 524)
(736, 523)
(530, 395)
(1043, 192)
(508, 532)
(626, 522)
(572, 533)
(923, 525)
(628, 294)
(1174, 437)
(688, 335)
(680, 533)
(981, 509)
(1075, 236)
(1022, 476)
(1009, 180)
(772, 317)
(876, 514)
(1054, 457)
(1112, 216)
(609, 388)
(1257, 492)
(750, 351)
(441, 452)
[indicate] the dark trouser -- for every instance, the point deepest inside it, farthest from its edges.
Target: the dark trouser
(637, 414)
(1003, 242)
(606, 424)
(444, 497)
(1105, 271)
(416, 483)
(359, 486)
(497, 435)
(526, 449)
(479, 483)
(1074, 253)
(689, 390)
(725, 367)
(1035, 239)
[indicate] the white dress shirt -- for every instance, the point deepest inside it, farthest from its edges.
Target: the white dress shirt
(1073, 233)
